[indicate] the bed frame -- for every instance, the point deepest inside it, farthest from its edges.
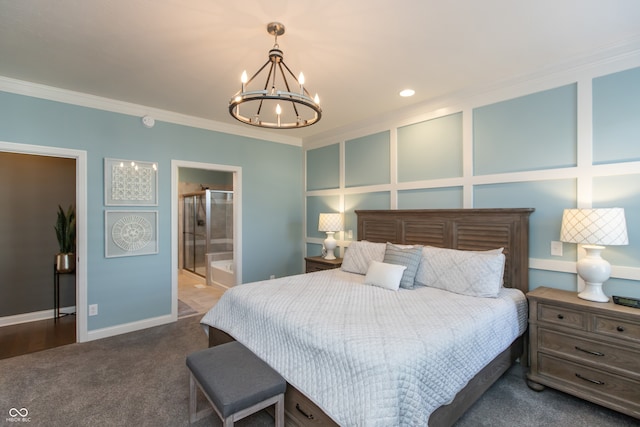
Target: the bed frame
(464, 229)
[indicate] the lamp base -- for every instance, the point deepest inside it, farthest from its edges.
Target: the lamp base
(594, 270)
(593, 292)
(330, 244)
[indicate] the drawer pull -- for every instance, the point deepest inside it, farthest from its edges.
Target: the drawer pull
(620, 329)
(593, 353)
(309, 416)
(560, 316)
(590, 380)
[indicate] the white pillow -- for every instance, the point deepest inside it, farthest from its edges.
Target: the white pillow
(384, 275)
(471, 273)
(360, 254)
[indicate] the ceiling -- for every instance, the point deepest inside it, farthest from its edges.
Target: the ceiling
(187, 56)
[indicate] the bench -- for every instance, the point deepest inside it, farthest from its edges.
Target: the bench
(236, 382)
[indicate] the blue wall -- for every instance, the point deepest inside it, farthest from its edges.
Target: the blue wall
(131, 289)
(535, 148)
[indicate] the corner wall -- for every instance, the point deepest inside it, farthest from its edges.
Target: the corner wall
(133, 292)
(562, 141)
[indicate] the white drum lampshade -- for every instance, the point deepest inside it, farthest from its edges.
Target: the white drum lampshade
(593, 229)
(330, 223)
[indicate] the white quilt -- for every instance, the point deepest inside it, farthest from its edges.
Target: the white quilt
(366, 355)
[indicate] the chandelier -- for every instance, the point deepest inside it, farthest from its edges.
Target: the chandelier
(275, 104)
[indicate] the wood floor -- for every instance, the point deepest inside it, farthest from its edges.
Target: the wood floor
(30, 337)
(16, 340)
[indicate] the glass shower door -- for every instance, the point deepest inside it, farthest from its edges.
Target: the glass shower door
(195, 234)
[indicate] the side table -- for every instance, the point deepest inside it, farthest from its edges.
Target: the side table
(56, 292)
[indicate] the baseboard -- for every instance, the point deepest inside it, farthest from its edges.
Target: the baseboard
(34, 316)
(129, 327)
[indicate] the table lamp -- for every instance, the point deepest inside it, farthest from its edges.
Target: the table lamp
(330, 223)
(594, 228)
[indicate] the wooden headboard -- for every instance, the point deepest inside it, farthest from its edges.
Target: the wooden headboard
(464, 229)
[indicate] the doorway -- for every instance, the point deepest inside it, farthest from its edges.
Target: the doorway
(206, 233)
(77, 283)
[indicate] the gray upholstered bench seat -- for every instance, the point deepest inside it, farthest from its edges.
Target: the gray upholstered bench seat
(236, 382)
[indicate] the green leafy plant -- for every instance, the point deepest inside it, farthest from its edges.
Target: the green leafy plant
(66, 230)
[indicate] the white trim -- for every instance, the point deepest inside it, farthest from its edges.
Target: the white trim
(552, 265)
(91, 101)
(622, 272)
(237, 221)
(124, 328)
(34, 316)
(81, 221)
(467, 158)
(393, 167)
(617, 271)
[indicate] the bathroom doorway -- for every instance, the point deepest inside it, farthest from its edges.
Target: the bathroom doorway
(206, 232)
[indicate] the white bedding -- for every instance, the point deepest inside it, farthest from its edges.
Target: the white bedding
(368, 356)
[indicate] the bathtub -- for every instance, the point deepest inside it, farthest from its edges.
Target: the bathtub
(221, 272)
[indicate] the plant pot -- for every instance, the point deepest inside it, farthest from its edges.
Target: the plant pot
(65, 263)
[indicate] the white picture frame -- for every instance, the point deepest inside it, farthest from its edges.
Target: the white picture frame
(130, 183)
(130, 233)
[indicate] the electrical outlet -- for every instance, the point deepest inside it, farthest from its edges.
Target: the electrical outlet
(556, 248)
(350, 234)
(93, 309)
(273, 276)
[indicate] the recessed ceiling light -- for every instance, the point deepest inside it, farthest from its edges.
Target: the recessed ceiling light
(407, 92)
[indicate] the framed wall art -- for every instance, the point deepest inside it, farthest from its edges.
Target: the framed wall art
(130, 183)
(130, 233)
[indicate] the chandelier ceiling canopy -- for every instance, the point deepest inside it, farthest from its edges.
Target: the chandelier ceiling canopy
(275, 104)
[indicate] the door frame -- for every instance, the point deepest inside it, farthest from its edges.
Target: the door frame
(237, 220)
(80, 157)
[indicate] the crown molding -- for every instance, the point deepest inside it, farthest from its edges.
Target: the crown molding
(51, 93)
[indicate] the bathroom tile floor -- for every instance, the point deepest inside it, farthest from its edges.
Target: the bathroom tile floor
(193, 291)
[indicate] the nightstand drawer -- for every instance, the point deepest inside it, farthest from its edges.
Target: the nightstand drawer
(594, 352)
(617, 328)
(316, 263)
(562, 316)
(595, 382)
(314, 266)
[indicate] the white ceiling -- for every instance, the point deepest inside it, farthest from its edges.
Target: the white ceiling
(186, 56)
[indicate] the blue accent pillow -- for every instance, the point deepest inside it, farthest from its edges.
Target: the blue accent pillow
(409, 256)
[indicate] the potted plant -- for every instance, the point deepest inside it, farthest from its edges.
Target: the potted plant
(66, 233)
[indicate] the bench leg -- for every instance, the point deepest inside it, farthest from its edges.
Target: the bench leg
(280, 411)
(193, 399)
(194, 415)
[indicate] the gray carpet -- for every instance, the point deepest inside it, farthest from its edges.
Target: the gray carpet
(509, 402)
(135, 379)
(140, 379)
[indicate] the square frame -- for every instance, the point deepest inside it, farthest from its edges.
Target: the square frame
(130, 183)
(130, 233)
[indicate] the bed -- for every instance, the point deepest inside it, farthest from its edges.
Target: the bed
(344, 368)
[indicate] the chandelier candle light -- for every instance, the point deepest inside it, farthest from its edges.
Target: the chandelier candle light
(330, 223)
(593, 228)
(276, 104)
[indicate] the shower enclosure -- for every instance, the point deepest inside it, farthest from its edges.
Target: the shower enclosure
(208, 235)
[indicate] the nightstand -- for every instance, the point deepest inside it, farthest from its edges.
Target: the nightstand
(317, 263)
(588, 349)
